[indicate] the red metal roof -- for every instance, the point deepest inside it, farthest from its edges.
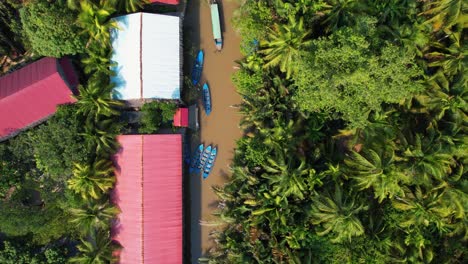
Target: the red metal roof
(169, 2)
(149, 194)
(181, 117)
(31, 94)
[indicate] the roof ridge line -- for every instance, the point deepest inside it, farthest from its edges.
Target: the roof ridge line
(142, 206)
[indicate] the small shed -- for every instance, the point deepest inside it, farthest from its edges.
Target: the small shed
(181, 117)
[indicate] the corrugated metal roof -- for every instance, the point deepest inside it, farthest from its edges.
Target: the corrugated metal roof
(149, 195)
(147, 53)
(169, 2)
(181, 117)
(31, 94)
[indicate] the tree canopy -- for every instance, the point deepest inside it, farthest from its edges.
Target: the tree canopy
(51, 28)
(348, 74)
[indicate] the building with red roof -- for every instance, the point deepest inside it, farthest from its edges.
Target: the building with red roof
(168, 2)
(149, 194)
(31, 94)
(181, 117)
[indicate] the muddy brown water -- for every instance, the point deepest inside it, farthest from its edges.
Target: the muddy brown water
(220, 128)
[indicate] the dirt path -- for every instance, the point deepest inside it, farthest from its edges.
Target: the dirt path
(221, 127)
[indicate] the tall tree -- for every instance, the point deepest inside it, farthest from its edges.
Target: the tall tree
(337, 215)
(51, 28)
(344, 74)
(446, 13)
(94, 18)
(95, 100)
(97, 250)
(92, 216)
(91, 181)
(283, 44)
(376, 170)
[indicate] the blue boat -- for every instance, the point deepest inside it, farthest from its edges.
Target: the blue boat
(197, 68)
(204, 158)
(209, 163)
(206, 99)
(195, 162)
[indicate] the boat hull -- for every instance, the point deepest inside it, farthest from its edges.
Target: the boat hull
(197, 68)
(204, 158)
(195, 162)
(208, 167)
(216, 25)
(206, 99)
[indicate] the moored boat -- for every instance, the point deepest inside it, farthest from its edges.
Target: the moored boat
(204, 158)
(197, 68)
(216, 25)
(210, 163)
(206, 99)
(195, 162)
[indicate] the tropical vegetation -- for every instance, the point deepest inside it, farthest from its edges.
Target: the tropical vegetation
(55, 178)
(355, 134)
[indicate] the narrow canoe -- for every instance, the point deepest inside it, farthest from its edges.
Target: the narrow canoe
(195, 162)
(197, 68)
(209, 163)
(216, 25)
(204, 158)
(206, 99)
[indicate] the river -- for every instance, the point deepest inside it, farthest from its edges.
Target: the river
(220, 128)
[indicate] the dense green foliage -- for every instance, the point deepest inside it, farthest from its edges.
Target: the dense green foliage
(58, 144)
(11, 38)
(33, 187)
(356, 151)
(154, 114)
(50, 27)
(347, 73)
(24, 253)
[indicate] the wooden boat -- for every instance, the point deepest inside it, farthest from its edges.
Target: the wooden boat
(206, 99)
(204, 158)
(197, 68)
(195, 162)
(216, 25)
(209, 163)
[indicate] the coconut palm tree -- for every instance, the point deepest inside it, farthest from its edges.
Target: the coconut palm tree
(446, 13)
(95, 99)
(91, 181)
(340, 13)
(422, 208)
(93, 215)
(452, 57)
(377, 170)
(97, 59)
(95, 21)
(287, 179)
(130, 6)
(337, 215)
(97, 250)
(100, 136)
(426, 158)
(284, 43)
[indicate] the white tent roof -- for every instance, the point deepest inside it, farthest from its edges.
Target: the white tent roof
(147, 53)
